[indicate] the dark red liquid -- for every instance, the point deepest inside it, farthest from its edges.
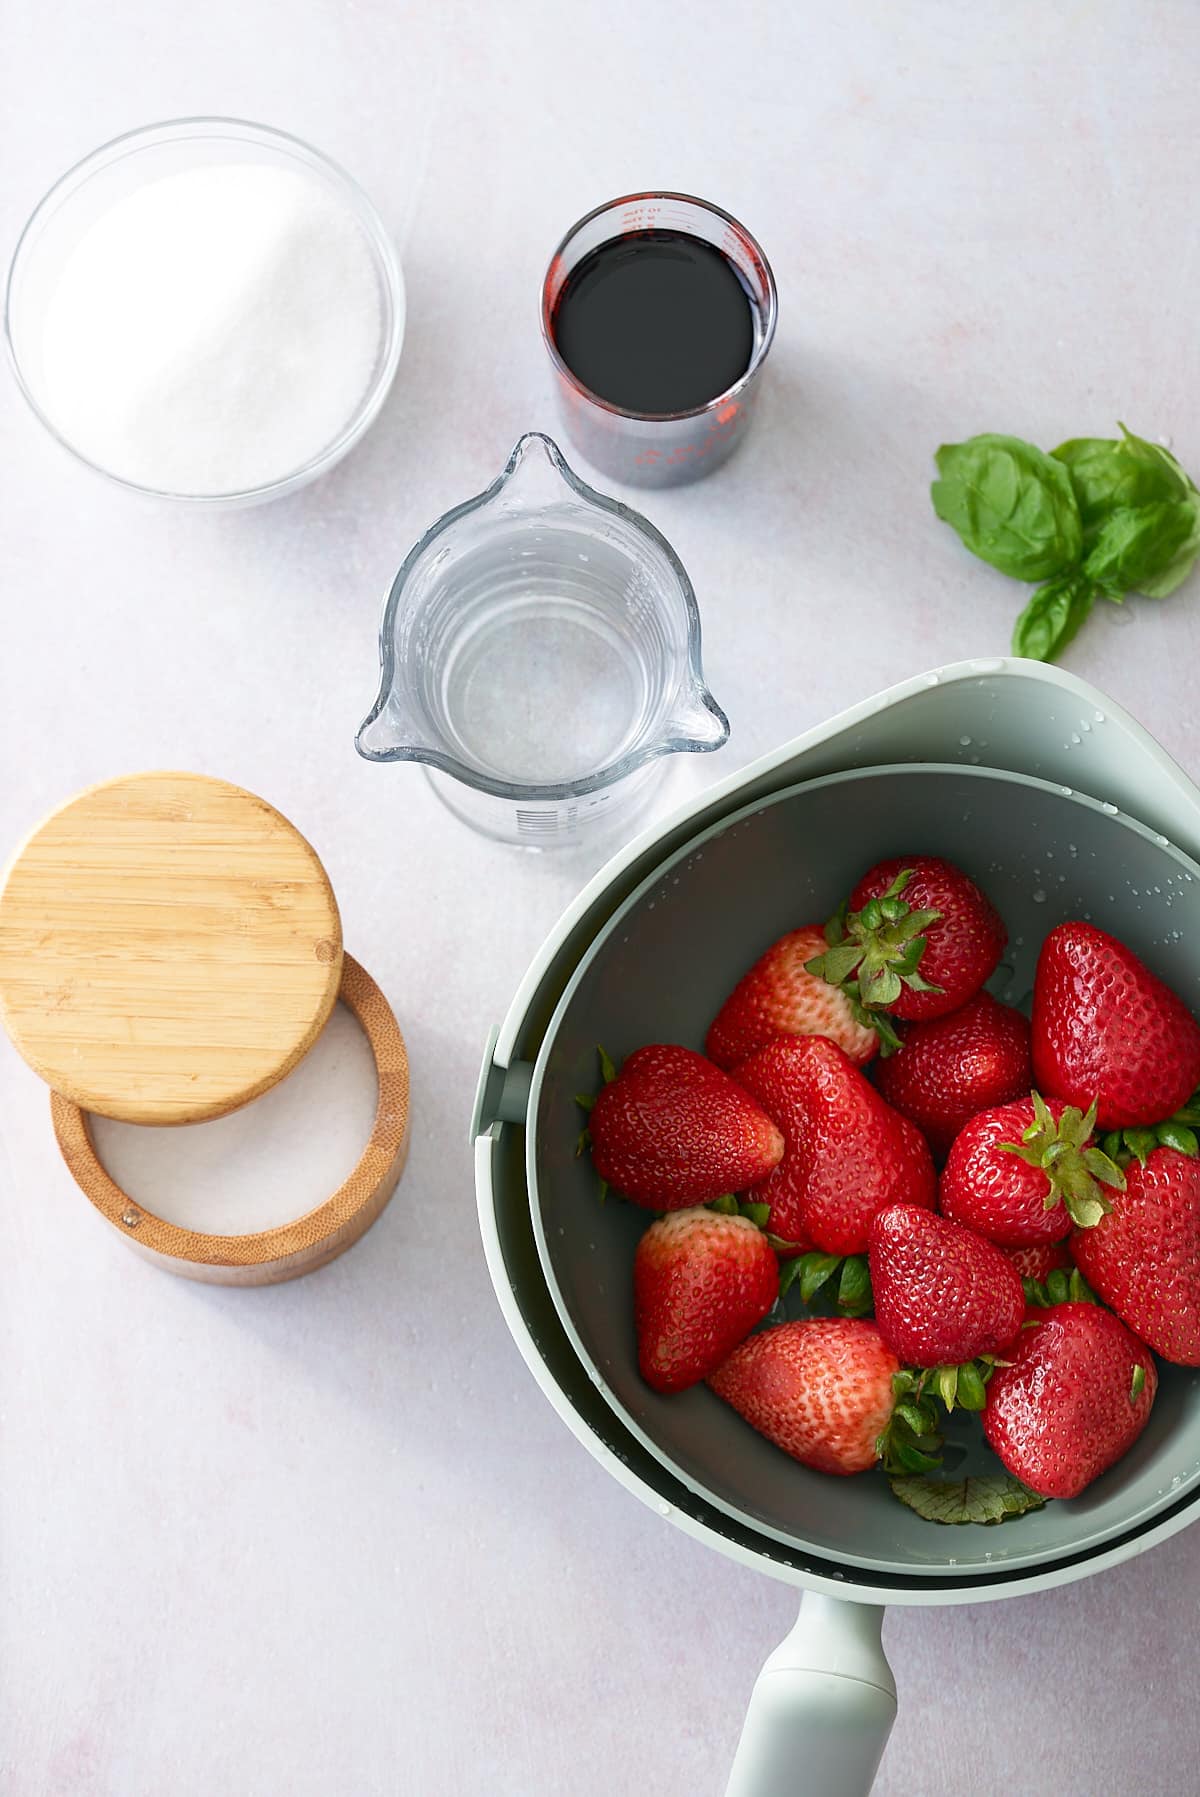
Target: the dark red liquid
(658, 321)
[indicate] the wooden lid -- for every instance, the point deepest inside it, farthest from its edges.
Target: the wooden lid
(170, 947)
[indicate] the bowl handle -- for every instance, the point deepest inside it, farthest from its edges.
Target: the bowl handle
(822, 1708)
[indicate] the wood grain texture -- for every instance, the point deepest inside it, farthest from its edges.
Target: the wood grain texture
(170, 947)
(268, 1256)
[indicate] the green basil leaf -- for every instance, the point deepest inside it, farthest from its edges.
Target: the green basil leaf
(1111, 473)
(1138, 546)
(1053, 617)
(1013, 506)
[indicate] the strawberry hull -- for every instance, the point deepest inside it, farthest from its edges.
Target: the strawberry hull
(779, 998)
(963, 946)
(990, 1189)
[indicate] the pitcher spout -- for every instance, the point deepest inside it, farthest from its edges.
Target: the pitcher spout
(698, 725)
(388, 734)
(536, 472)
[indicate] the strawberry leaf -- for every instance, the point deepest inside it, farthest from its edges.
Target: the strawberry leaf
(1136, 1383)
(1060, 1287)
(1077, 1171)
(963, 1386)
(1124, 1145)
(1189, 1113)
(996, 1498)
(917, 1417)
(874, 953)
(584, 1100)
(815, 1269)
(972, 1393)
(910, 1443)
(912, 1458)
(836, 964)
(828, 1280)
(789, 1272)
(608, 1071)
(1140, 1143)
(854, 1296)
(758, 1214)
(726, 1205)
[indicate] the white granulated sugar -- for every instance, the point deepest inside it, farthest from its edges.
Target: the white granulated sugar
(214, 330)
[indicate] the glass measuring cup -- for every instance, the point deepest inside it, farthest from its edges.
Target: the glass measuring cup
(661, 449)
(540, 653)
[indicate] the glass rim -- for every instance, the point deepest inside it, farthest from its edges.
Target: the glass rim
(227, 129)
(758, 356)
(652, 748)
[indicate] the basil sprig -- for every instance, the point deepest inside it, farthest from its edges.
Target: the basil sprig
(1099, 517)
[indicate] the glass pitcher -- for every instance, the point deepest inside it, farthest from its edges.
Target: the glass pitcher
(540, 653)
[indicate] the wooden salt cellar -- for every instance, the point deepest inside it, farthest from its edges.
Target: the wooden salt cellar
(170, 949)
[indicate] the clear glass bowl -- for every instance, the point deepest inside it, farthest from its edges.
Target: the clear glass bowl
(116, 169)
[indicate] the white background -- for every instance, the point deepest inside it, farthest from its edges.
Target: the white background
(328, 1538)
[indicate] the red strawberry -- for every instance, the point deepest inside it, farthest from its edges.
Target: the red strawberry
(701, 1282)
(942, 1293)
(953, 1067)
(1075, 1398)
(778, 998)
(673, 1130)
(1106, 1030)
(1037, 1260)
(820, 1389)
(848, 1153)
(919, 955)
(1023, 1172)
(1144, 1257)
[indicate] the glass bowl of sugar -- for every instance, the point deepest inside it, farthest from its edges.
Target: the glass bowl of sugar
(206, 310)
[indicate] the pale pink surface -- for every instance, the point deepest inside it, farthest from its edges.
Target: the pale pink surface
(328, 1540)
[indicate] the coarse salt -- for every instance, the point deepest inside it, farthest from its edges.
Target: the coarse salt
(214, 330)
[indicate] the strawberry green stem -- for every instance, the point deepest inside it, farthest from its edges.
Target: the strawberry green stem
(1178, 1132)
(1076, 1170)
(910, 1443)
(873, 954)
(846, 1280)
